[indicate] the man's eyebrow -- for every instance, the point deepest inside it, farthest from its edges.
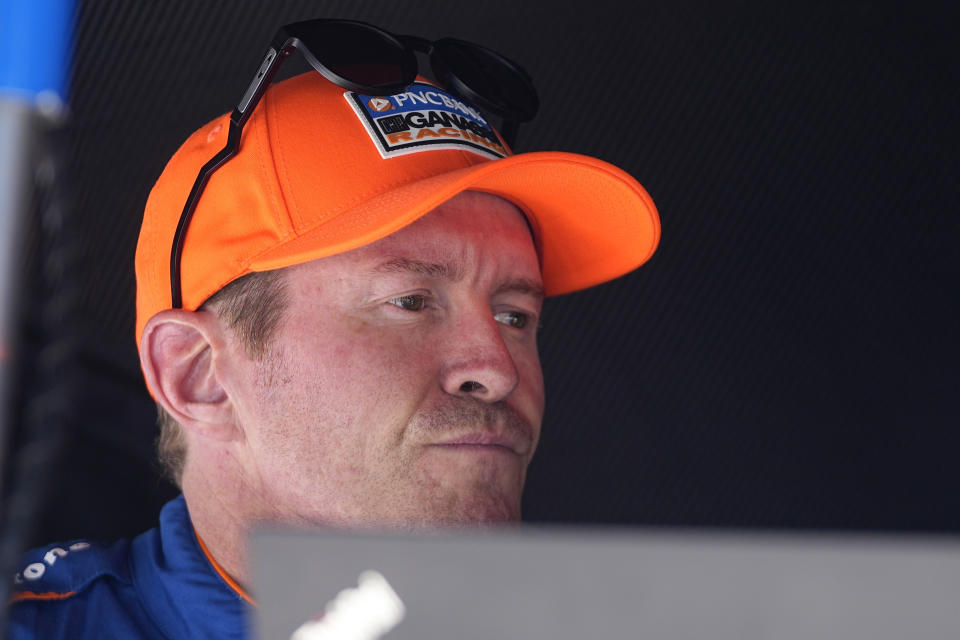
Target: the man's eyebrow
(524, 286)
(443, 270)
(449, 271)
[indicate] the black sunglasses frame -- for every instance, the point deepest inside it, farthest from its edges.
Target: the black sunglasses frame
(290, 38)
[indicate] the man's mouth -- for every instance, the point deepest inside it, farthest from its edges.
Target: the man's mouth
(483, 440)
(479, 427)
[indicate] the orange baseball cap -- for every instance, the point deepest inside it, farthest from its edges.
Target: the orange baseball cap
(322, 171)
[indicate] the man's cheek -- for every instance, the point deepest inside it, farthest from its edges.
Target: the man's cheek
(531, 387)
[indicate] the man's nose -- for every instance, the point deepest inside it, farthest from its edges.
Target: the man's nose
(477, 361)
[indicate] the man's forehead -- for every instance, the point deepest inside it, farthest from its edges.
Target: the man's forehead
(470, 223)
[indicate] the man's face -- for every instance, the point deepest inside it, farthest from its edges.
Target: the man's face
(403, 387)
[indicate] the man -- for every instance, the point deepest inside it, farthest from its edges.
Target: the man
(347, 338)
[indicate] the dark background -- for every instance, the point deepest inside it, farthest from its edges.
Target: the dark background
(788, 358)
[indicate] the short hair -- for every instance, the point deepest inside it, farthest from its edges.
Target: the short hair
(253, 306)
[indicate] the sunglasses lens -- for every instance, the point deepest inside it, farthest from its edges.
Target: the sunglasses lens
(494, 81)
(358, 53)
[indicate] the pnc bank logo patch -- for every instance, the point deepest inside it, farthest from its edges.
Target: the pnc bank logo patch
(424, 118)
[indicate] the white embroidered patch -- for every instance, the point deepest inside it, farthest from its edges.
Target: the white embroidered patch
(424, 118)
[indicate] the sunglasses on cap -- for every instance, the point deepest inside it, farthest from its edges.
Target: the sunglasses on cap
(363, 58)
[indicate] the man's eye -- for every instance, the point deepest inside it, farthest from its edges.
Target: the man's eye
(410, 303)
(514, 319)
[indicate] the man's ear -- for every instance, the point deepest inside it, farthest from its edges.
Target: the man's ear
(178, 355)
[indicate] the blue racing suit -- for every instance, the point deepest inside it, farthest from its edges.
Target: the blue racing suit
(161, 584)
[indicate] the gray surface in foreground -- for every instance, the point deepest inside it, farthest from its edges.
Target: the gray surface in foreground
(571, 584)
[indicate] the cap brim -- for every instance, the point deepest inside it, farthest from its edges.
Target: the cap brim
(592, 221)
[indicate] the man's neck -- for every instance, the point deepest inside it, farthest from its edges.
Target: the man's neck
(220, 522)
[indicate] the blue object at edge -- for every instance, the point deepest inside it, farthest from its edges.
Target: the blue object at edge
(35, 42)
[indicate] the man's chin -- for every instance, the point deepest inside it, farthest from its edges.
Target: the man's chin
(466, 488)
(479, 510)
